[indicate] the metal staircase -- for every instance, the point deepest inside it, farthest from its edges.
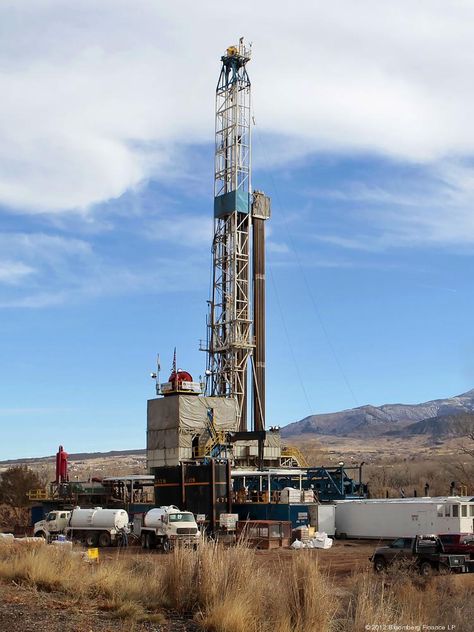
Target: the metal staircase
(213, 443)
(291, 456)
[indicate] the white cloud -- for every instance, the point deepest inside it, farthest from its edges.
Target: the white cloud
(97, 97)
(277, 247)
(13, 272)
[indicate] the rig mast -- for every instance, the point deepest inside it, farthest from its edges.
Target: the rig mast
(237, 293)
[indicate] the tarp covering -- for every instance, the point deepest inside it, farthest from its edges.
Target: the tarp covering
(173, 422)
(193, 412)
(189, 412)
(162, 413)
(162, 439)
(273, 440)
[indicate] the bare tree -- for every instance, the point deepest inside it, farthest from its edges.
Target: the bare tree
(463, 468)
(15, 484)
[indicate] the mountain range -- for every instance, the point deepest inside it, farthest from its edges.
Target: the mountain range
(452, 416)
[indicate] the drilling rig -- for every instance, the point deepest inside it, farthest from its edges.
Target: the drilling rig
(205, 449)
(236, 320)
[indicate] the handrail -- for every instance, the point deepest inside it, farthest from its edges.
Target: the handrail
(37, 494)
(295, 453)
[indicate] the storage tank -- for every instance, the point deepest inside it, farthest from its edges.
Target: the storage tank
(98, 518)
(153, 517)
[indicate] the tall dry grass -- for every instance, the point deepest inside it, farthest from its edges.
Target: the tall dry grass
(230, 590)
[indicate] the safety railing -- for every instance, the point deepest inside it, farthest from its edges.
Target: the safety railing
(293, 456)
(37, 494)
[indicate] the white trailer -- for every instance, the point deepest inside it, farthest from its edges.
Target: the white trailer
(403, 517)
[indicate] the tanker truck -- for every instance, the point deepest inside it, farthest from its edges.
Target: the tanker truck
(165, 527)
(93, 527)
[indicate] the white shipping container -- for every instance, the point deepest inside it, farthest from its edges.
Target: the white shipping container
(404, 517)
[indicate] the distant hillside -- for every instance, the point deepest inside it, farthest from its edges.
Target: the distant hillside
(79, 456)
(374, 420)
(443, 427)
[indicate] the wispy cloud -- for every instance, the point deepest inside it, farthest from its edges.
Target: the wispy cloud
(12, 272)
(277, 247)
(182, 229)
(434, 209)
(68, 270)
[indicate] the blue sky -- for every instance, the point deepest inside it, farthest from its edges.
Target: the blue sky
(363, 138)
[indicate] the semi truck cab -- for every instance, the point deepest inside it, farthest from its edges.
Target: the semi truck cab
(167, 526)
(54, 524)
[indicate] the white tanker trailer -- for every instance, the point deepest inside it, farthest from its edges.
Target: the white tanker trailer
(94, 527)
(167, 526)
(98, 526)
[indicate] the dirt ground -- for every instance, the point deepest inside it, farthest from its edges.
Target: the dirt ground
(28, 610)
(344, 558)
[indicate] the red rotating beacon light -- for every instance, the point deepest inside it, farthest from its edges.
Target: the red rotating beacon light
(178, 377)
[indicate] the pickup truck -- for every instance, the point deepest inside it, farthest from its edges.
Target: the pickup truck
(426, 552)
(458, 543)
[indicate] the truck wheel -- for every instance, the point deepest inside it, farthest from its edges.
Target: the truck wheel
(151, 541)
(426, 569)
(104, 539)
(40, 534)
(144, 540)
(166, 545)
(379, 564)
(91, 539)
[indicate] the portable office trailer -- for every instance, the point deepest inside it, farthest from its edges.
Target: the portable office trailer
(398, 517)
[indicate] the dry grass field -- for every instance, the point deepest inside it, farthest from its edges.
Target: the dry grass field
(234, 589)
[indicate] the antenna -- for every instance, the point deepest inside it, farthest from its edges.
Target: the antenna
(158, 369)
(156, 376)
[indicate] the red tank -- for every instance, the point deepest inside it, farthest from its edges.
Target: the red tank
(61, 465)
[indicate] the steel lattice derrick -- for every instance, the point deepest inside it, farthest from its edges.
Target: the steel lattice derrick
(230, 339)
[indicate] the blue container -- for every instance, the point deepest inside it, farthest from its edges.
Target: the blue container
(227, 203)
(37, 513)
(297, 514)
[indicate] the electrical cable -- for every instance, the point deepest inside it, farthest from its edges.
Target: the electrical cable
(285, 329)
(305, 279)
